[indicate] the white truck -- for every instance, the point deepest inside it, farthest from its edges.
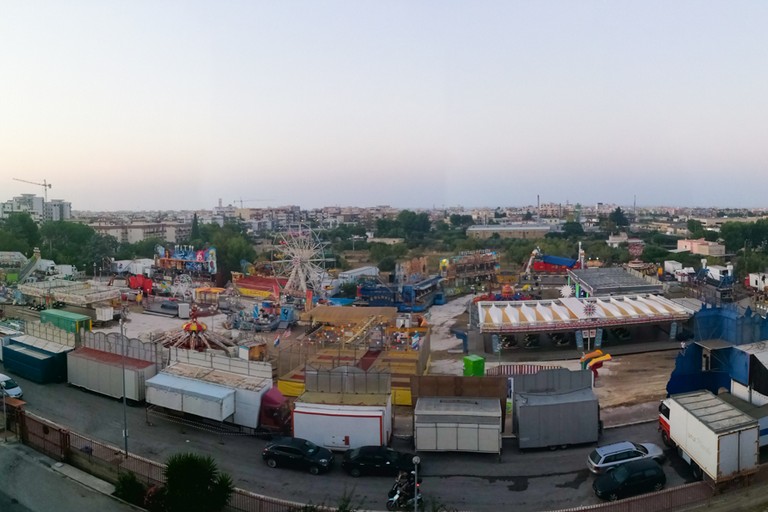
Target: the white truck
(712, 436)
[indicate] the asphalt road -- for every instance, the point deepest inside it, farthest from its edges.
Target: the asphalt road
(528, 482)
(8, 504)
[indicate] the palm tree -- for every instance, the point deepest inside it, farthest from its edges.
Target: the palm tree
(195, 484)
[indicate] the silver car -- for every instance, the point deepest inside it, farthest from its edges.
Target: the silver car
(9, 387)
(610, 455)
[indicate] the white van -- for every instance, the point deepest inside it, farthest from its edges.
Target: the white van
(10, 387)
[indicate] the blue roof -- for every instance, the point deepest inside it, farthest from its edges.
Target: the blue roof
(558, 260)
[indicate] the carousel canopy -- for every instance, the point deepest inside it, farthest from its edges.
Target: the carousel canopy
(578, 313)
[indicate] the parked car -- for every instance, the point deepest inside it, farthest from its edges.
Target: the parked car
(10, 387)
(297, 453)
(376, 460)
(630, 479)
(610, 455)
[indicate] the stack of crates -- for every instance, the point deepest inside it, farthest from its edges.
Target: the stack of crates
(474, 366)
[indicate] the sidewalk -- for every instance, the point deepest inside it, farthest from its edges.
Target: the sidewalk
(25, 473)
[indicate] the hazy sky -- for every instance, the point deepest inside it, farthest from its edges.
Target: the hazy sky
(175, 104)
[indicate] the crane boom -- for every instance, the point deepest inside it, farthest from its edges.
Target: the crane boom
(44, 184)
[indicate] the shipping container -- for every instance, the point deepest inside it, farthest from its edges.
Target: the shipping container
(37, 360)
(70, 322)
(191, 396)
(457, 424)
(552, 420)
(342, 421)
(108, 373)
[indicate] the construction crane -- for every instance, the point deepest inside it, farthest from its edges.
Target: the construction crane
(44, 184)
(241, 201)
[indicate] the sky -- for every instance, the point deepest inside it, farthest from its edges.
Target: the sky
(146, 105)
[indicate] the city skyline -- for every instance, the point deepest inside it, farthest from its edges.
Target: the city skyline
(173, 106)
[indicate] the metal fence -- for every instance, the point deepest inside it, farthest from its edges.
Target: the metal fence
(106, 461)
(668, 499)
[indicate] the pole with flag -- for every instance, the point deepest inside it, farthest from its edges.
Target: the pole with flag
(277, 340)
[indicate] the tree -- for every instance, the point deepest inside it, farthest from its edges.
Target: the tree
(100, 247)
(461, 221)
(695, 228)
(21, 226)
(573, 229)
(528, 215)
(618, 218)
(193, 483)
(142, 249)
(415, 225)
(63, 242)
(194, 233)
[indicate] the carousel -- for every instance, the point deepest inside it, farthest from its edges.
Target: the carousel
(194, 335)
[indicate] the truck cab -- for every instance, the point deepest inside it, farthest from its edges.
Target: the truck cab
(274, 415)
(664, 423)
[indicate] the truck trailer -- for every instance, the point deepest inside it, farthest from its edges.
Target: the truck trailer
(712, 436)
(556, 420)
(342, 421)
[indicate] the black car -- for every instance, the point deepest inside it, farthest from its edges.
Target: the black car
(629, 479)
(294, 452)
(376, 460)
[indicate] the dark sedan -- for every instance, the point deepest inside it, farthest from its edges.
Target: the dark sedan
(630, 479)
(297, 453)
(376, 460)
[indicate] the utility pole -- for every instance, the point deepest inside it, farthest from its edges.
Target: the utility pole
(125, 405)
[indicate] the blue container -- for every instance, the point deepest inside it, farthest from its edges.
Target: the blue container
(35, 364)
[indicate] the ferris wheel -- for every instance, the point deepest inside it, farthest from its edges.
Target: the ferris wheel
(300, 258)
(181, 286)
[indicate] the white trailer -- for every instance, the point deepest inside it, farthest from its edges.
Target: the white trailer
(457, 424)
(342, 421)
(672, 266)
(108, 373)
(191, 396)
(758, 281)
(718, 272)
(712, 436)
(248, 389)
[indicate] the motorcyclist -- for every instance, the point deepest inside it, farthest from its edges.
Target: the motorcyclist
(409, 485)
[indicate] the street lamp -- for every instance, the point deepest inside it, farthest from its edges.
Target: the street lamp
(125, 405)
(416, 460)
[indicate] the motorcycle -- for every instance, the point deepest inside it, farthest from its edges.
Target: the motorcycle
(400, 500)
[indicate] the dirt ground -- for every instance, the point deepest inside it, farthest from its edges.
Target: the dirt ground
(634, 379)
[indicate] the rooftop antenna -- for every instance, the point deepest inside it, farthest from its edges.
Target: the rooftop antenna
(44, 184)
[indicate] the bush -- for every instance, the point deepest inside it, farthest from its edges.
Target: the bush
(129, 488)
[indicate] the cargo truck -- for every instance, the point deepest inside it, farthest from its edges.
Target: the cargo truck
(261, 408)
(712, 436)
